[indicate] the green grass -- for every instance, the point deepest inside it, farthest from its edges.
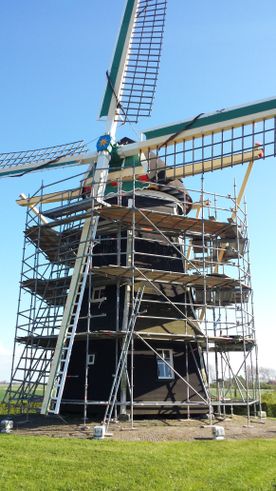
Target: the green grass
(14, 409)
(269, 402)
(269, 396)
(40, 463)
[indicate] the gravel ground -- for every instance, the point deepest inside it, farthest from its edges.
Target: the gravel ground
(236, 428)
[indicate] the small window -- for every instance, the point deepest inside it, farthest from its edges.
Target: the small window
(98, 294)
(91, 359)
(165, 372)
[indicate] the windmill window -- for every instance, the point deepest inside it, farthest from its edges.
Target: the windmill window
(98, 295)
(164, 371)
(91, 359)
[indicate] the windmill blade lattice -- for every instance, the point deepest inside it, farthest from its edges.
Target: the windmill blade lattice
(142, 66)
(132, 79)
(19, 163)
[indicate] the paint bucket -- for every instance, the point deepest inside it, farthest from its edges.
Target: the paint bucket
(99, 432)
(218, 432)
(6, 426)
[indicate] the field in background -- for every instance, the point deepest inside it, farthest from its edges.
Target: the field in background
(63, 464)
(269, 395)
(268, 398)
(2, 391)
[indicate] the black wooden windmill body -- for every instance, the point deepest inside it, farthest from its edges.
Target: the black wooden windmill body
(136, 287)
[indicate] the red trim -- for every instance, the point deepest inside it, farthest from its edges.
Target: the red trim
(144, 177)
(86, 189)
(261, 153)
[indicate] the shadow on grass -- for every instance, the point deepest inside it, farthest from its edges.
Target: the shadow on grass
(204, 438)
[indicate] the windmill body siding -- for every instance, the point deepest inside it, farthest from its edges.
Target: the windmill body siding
(147, 387)
(156, 255)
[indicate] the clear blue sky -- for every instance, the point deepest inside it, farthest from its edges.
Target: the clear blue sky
(54, 56)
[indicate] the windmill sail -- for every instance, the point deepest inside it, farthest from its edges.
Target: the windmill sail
(22, 162)
(211, 142)
(131, 82)
(129, 93)
(204, 124)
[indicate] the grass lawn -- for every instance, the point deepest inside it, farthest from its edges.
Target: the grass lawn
(40, 463)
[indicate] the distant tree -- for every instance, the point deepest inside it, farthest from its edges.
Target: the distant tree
(267, 375)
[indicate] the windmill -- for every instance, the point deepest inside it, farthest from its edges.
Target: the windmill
(123, 278)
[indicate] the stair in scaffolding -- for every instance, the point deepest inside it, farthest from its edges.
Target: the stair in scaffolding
(58, 372)
(62, 355)
(65, 210)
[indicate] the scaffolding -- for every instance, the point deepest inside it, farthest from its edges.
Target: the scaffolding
(135, 292)
(176, 286)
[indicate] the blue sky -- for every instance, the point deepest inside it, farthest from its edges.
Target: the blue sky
(53, 61)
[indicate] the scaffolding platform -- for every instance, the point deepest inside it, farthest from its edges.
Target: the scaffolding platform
(225, 343)
(167, 277)
(54, 291)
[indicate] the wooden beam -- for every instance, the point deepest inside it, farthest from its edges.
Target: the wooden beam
(35, 210)
(188, 170)
(238, 202)
(197, 206)
(202, 312)
(50, 198)
(171, 173)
